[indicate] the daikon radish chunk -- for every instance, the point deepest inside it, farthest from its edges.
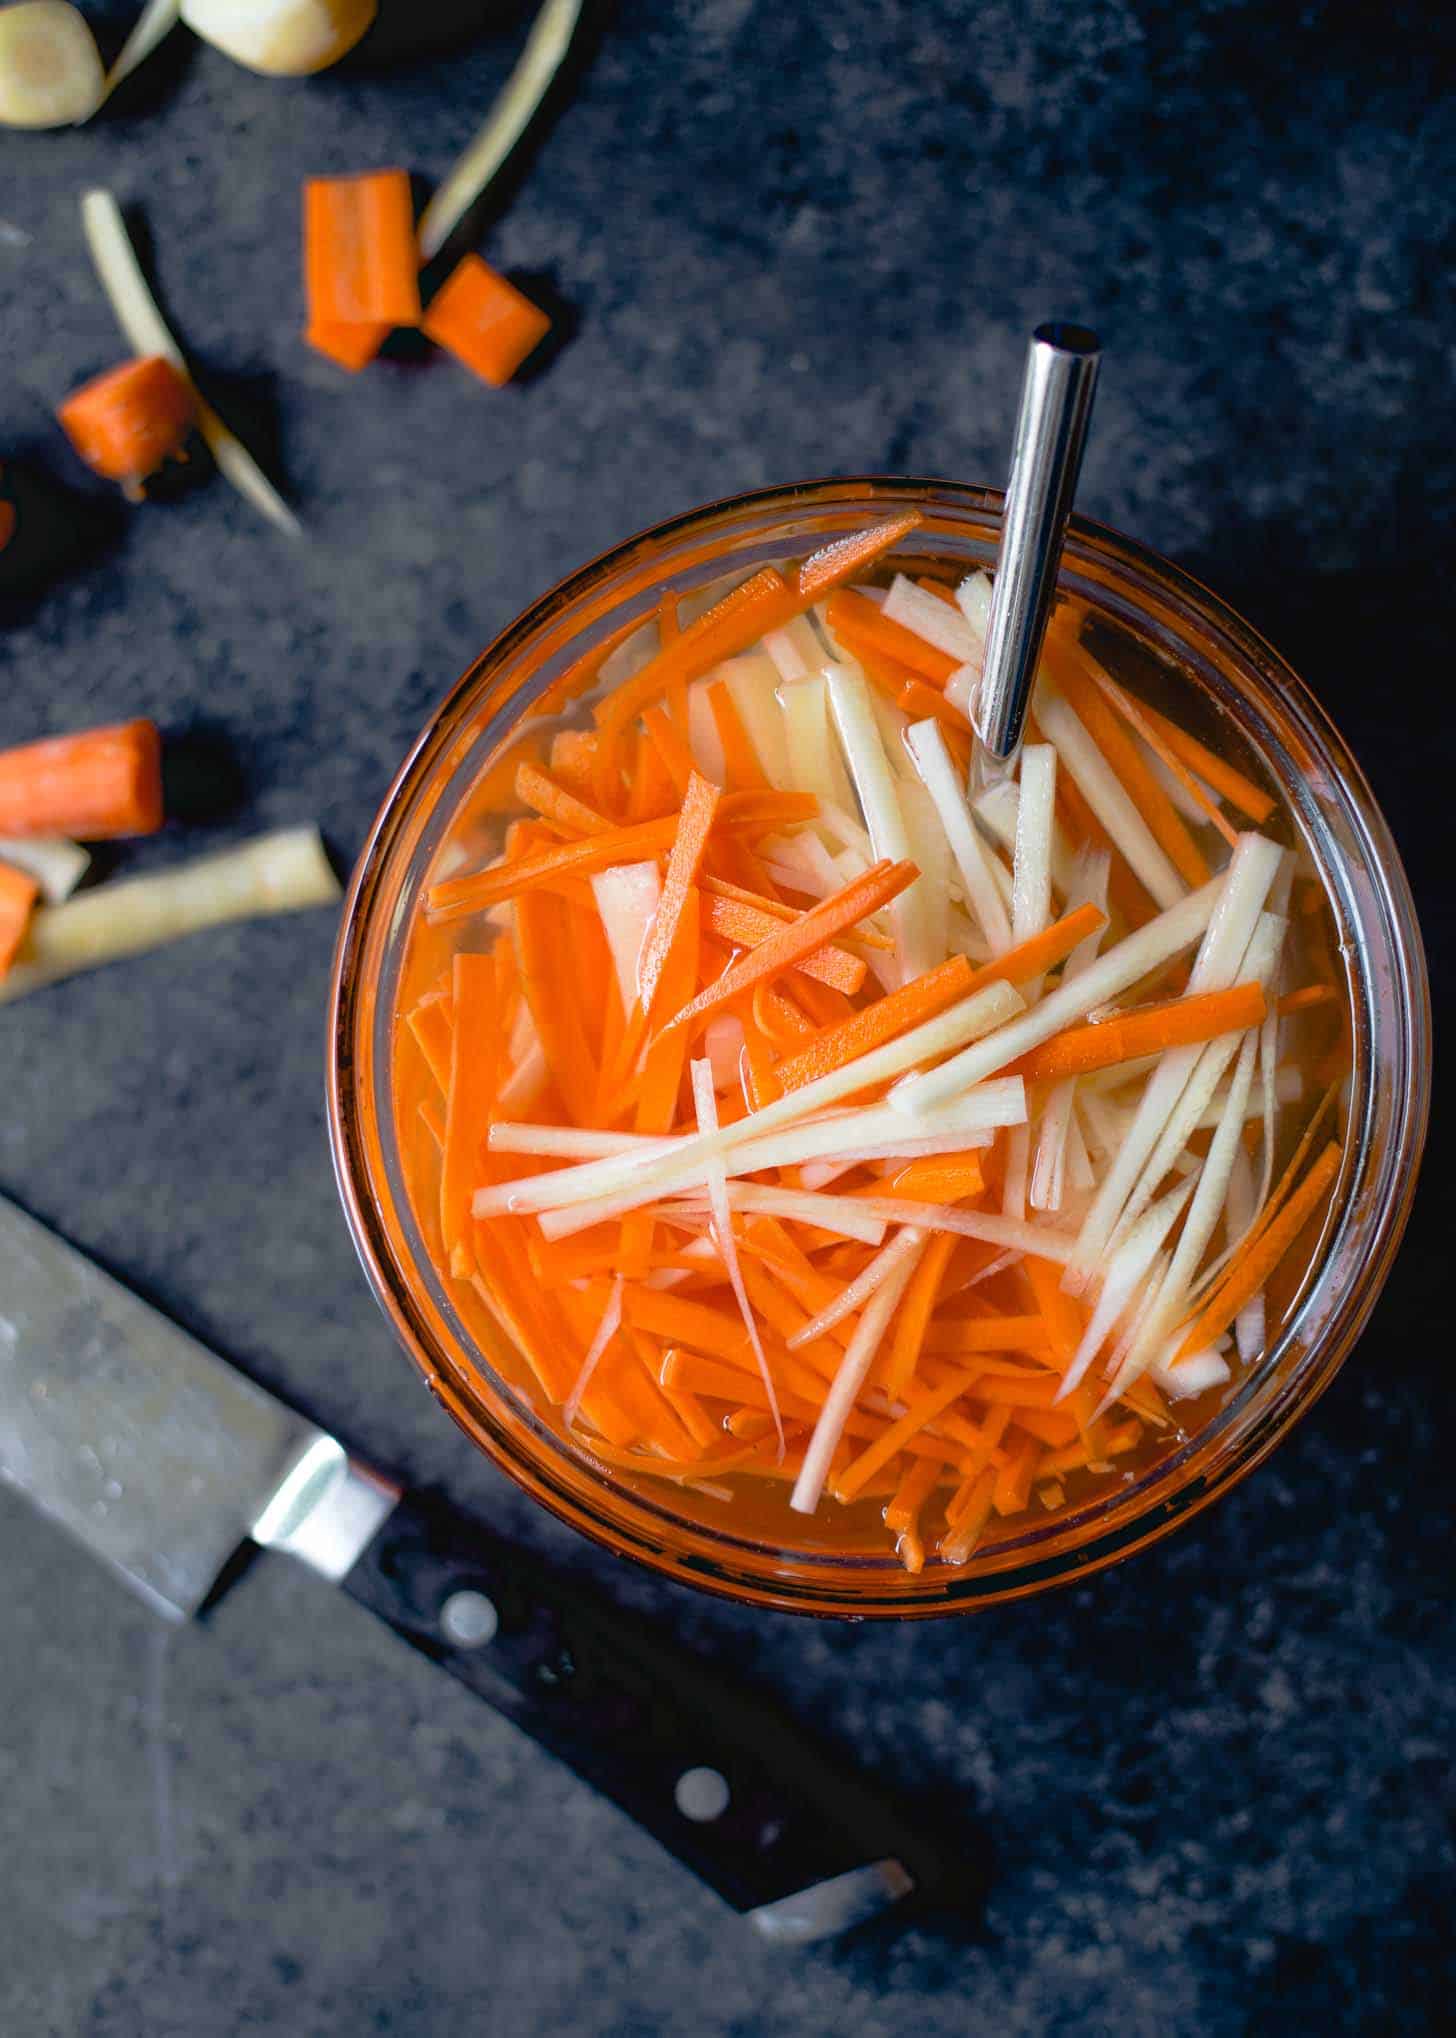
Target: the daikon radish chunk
(282, 873)
(1131, 959)
(56, 864)
(1104, 792)
(850, 706)
(929, 848)
(858, 1357)
(997, 808)
(1193, 1375)
(932, 760)
(1048, 1171)
(931, 618)
(50, 67)
(974, 598)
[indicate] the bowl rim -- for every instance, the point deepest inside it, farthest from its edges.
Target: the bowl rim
(957, 1591)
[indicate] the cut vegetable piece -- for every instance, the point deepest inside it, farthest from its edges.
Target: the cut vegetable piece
(605, 1331)
(627, 896)
(350, 346)
(927, 748)
(1251, 1267)
(57, 866)
(842, 558)
(538, 790)
(281, 38)
(98, 784)
(457, 898)
(876, 1024)
(748, 927)
(1120, 1282)
(509, 116)
(1179, 1023)
(18, 894)
(854, 1294)
(1031, 869)
(857, 625)
(849, 703)
(359, 250)
(705, 1105)
(50, 67)
(1231, 785)
(846, 1385)
(475, 1051)
(281, 873)
(1176, 929)
(126, 423)
(484, 321)
(137, 314)
(155, 22)
(1107, 797)
(931, 619)
(699, 810)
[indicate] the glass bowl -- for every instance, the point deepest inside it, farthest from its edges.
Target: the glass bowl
(1159, 614)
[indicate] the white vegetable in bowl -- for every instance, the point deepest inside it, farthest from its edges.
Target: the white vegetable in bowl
(282, 38)
(50, 67)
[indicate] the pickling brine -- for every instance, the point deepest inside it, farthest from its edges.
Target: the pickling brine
(862, 1150)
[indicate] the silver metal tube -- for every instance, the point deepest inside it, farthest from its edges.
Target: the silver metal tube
(1051, 431)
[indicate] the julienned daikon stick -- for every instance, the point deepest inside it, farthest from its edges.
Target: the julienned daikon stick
(858, 1358)
(56, 864)
(931, 618)
(1126, 1270)
(932, 759)
(281, 873)
(1106, 796)
(1174, 930)
(705, 1105)
(874, 783)
(1031, 868)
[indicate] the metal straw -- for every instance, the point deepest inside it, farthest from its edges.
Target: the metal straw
(1051, 430)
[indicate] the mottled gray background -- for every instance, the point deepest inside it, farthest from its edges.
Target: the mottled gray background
(792, 240)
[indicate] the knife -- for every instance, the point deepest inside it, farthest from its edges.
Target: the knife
(164, 1460)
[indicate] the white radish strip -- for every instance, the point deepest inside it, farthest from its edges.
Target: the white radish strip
(1288, 1089)
(723, 1041)
(1126, 1269)
(854, 1294)
(788, 661)
(850, 705)
(1031, 868)
(1268, 1079)
(280, 873)
(1079, 1175)
(1259, 963)
(819, 1174)
(526, 1080)
(858, 1357)
(931, 852)
(841, 1214)
(628, 1181)
(606, 1330)
(706, 1106)
(1242, 892)
(137, 314)
(703, 738)
(931, 619)
(1048, 1172)
(1134, 1327)
(974, 599)
(627, 897)
(960, 688)
(985, 1109)
(891, 722)
(1018, 1160)
(840, 825)
(1122, 965)
(932, 759)
(510, 114)
(1239, 1213)
(1104, 792)
(156, 20)
(987, 1226)
(1174, 787)
(814, 765)
(57, 865)
(1106, 1123)
(573, 1142)
(1194, 1375)
(751, 680)
(997, 809)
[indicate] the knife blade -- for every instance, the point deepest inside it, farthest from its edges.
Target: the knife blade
(163, 1459)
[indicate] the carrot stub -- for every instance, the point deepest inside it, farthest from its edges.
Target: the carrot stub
(96, 785)
(125, 423)
(484, 321)
(360, 265)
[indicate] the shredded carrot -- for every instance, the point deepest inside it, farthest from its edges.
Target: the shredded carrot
(886, 1019)
(848, 558)
(432, 1027)
(785, 948)
(1013, 1481)
(699, 809)
(484, 321)
(457, 898)
(1254, 1263)
(740, 759)
(359, 259)
(475, 1046)
(748, 926)
(543, 955)
(972, 1510)
(96, 785)
(125, 423)
(848, 1484)
(1231, 785)
(1180, 1022)
(758, 604)
(667, 740)
(860, 626)
(18, 894)
(539, 791)
(1306, 1000)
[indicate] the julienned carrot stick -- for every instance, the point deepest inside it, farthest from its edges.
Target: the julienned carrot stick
(1239, 791)
(695, 823)
(972, 1505)
(360, 264)
(670, 745)
(96, 785)
(18, 894)
(555, 999)
(459, 897)
(741, 766)
(1042, 952)
(1250, 1268)
(1178, 1023)
(481, 318)
(897, 1366)
(848, 558)
(431, 1025)
(785, 949)
(858, 625)
(469, 1096)
(848, 1484)
(1306, 1000)
(125, 423)
(936, 1178)
(539, 791)
(775, 909)
(873, 1025)
(749, 926)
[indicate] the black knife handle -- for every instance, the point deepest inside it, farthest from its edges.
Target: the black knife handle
(630, 1710)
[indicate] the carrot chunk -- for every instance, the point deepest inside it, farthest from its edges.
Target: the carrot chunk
(18, 894)
(484, 321)
(125, 423)
(96, 785)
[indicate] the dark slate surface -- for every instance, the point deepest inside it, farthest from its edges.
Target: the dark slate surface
(792, 240)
